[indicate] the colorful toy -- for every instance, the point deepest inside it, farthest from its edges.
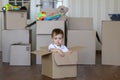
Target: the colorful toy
(41, 16)
(56, 16)
(10, 7)
(61, 11)
(7, 7)
(16, 8)
(51, 14)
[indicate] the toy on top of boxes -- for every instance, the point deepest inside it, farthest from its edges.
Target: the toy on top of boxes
(9, 7)
(52, 15)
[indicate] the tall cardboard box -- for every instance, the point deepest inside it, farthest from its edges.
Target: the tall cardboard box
(55, 66)
(85, 38)
(111, 43)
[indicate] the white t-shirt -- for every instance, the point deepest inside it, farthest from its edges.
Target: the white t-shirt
(62, 47)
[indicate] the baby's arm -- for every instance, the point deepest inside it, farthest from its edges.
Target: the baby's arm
(58, 51)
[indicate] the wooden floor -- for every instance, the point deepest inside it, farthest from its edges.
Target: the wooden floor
(85, 72)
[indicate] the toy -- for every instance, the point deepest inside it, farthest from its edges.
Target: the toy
(41, 16)
(62, 10)
(7, 7)
(15, 7)
(51, 14)
(56, 16)
(10, 7)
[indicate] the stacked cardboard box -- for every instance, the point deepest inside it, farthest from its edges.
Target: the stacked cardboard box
(15, 19)
(10, 37)
(81, 33)
(80, 23)
(14, 32)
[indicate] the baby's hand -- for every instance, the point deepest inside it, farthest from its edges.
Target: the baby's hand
(61, 53)
(58, 51)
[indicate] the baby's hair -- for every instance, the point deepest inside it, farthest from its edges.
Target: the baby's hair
(57, 31)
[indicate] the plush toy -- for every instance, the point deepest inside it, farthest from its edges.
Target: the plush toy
(62, 10)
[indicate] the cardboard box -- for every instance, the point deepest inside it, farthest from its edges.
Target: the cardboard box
(55, 66)
(12, 37)
(46, 27)
(110, 43)
(85, 38)
(16, 19)
(80, 23)
(20, 54)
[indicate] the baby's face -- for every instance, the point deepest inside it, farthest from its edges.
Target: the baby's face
(58, 39)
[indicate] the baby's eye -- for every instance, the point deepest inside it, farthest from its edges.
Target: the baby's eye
(55, 38)
(60, 38)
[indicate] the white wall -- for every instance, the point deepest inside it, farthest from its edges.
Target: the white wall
(98, 9)
(0, 26)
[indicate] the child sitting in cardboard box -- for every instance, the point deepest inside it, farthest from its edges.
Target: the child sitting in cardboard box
(57, 36)
(59, 62)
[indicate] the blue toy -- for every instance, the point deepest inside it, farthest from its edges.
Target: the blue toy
(56, 16)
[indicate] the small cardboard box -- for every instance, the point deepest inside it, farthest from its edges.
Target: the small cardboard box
(20, 55)
(55, 66)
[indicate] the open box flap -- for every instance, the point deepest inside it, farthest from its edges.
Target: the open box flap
(44, 50)
(41, 52)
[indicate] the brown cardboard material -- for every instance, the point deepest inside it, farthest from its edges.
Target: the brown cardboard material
(55, 66)
(84, 38)
(48, 26)
(80, 23)
(110, 43)
(16, 19)
(20, 55)
(11, 37)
